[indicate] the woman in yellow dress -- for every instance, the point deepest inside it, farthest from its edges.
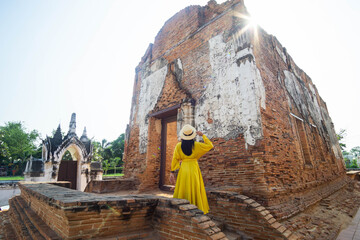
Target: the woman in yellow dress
(189, 182)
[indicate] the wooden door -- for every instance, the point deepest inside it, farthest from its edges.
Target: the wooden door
(68, 172)
(168, 142)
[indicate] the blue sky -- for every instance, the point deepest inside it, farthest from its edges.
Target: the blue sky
(63, 56)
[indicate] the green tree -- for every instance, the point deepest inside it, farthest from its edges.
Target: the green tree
(97, 151)
(21, 143)
(67, 156)
(340, 136)
(355, 151)
(115, 162)
(354, 163)
(4, 151)
(105, 165)
(347, 162)
(104, 143)
(17, 145)
(109, 153)
(118, 148)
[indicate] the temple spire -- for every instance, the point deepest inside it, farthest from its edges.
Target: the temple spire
(57, 138)
(72, 126)
(84, 137)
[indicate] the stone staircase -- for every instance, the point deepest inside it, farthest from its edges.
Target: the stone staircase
(230, 234)
(26, 223)
(149, 234)
(21, 222)
(6, 230)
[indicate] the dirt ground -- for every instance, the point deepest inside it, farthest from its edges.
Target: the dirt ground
(327, 218)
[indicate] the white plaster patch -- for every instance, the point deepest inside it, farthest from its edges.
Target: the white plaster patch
(296, 73)
(281, 54)
(151, 87)
(306, 102)
(331, 132)
(314, 107)
(312, 89)
(233, 99)
(132, 114)
(179, 63)
(294, 89)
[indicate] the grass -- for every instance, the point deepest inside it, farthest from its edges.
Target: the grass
(11, 178)
(114, 175)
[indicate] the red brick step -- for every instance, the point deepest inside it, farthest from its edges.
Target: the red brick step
(27, 224)
(7, 231)
(17, 222)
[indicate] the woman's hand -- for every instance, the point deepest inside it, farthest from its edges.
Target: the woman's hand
(172, 178)
(199, 133)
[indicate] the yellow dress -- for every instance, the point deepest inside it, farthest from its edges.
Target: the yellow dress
(189, 183)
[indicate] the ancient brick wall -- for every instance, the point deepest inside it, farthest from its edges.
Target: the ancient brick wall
(78, 215)
(241, 213)
(300, 147)
(177, 219)
(272, 134)
(50, 214)
(111, 185)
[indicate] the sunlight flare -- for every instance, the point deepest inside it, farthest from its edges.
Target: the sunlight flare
(250, 24)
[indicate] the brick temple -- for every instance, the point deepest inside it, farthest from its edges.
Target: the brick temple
(273, 137)
(275, 149)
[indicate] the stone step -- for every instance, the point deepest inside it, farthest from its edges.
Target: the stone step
(25, 221)
(7, 231)
(230, 234)
(147, 234)
(17, 223)
(27, 224)
(218, 223)
(37, 226)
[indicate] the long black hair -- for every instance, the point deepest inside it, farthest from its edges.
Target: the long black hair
(187, 146)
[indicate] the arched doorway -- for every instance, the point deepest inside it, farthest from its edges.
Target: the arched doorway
(64, 158)
(68, 170)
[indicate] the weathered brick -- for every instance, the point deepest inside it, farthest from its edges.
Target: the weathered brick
(176, 201)
(255, 205)
(271, 220)
(200, 219)
(217, 236)
(269, 216)
(187, 207)
(276, 225)
(207, 224)
(287, 233)
(249, 201)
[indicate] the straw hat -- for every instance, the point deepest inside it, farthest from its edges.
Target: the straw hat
(188, 132)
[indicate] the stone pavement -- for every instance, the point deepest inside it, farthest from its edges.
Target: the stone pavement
(7, 192)
(352, 232)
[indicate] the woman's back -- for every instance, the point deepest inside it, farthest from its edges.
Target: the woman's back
(189, 183)
(198, 150)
